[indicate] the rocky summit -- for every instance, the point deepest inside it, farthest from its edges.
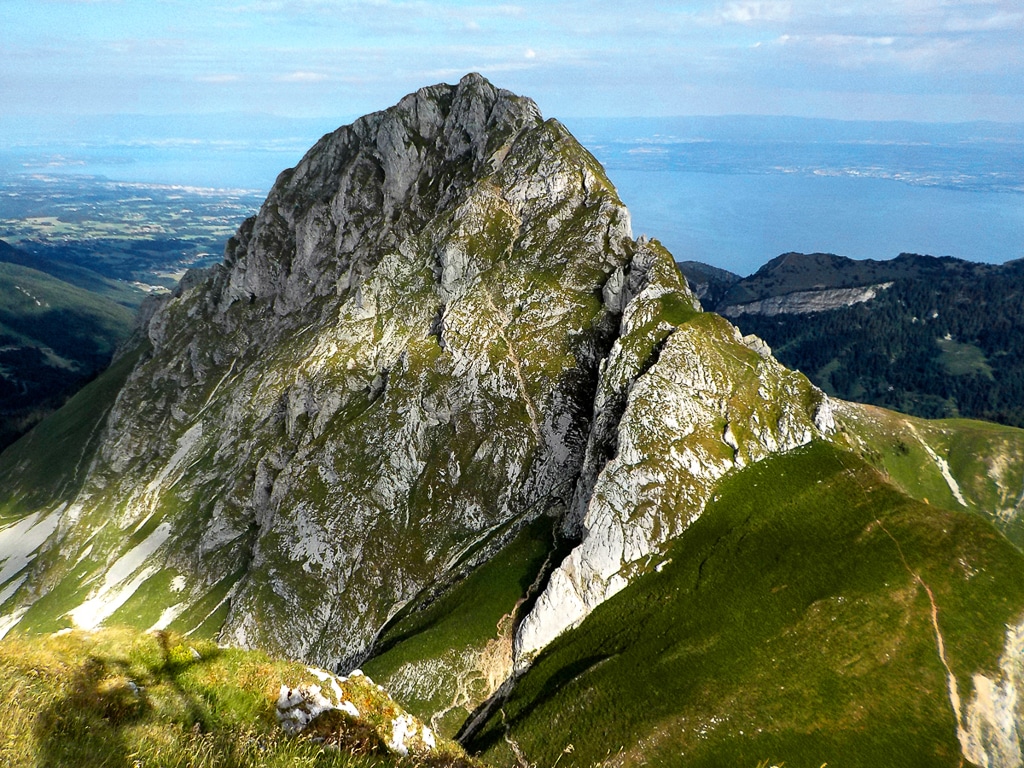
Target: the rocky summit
(439, 412)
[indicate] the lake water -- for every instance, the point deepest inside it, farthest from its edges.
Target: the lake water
(740, 221)
(732, 192)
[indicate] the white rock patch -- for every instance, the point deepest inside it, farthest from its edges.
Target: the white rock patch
(943, 466)
(168, 615)
(20, 542)
(991, 736)
(298, 706)
(117, 585)
(403, 730)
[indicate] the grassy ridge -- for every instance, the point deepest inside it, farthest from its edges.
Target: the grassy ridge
(984, 461)
(786, 624)
(120, 698)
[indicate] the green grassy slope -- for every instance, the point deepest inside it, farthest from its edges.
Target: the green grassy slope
(119, 698)
(47, 464)
(74, 274)
(790, 623)
(445, 659)
(54, 337)
(73, 322)
(957, 464)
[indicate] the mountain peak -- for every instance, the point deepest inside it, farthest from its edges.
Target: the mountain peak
(367, 185)
(395, 365)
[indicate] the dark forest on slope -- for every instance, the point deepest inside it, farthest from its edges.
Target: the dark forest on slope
(945, 339)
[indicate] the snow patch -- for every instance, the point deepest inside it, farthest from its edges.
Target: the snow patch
(428, 737)
(85, 553)
(116, 588)
(185, 444)
(943, 466)
(296, 707)
(20, 542)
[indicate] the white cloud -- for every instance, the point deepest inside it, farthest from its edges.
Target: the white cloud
(302, 77)
(752, 11)
(580, 55)
(1001, 21)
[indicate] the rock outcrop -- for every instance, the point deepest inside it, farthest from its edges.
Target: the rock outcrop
(989, 731)
(805, 302)
(688, 403)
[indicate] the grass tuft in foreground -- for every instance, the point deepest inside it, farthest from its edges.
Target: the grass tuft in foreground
(120, 698)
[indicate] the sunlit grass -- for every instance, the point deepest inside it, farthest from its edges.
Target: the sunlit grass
(121, 698)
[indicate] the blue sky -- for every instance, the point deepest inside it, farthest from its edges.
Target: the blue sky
(931, 60)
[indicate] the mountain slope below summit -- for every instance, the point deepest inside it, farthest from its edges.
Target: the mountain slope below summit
(813, 614)
(681, 401)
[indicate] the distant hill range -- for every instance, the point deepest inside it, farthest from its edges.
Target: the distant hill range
(932, 337)
(58, 329)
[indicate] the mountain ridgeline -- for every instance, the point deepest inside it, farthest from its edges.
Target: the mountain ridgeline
(440, 415)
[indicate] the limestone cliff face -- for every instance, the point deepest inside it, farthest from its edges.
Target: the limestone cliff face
(436, 329)
(806, 302)
(677, 407)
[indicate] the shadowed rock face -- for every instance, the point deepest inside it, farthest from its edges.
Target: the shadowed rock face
(437, 328)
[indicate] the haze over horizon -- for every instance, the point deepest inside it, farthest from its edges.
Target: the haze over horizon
(920, 60)
(227, 93)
